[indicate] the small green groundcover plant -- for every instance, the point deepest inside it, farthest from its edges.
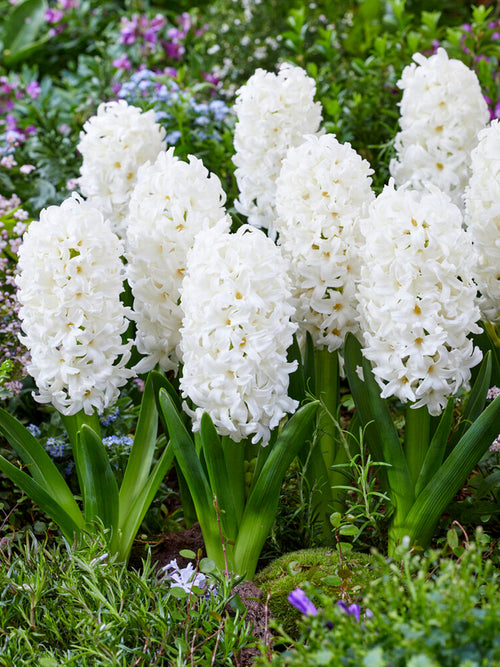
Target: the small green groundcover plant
(422, 611)
(65, 606)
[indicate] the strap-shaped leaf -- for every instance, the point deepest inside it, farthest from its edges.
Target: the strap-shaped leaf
(437, 448)
(422, 519)
(70, 524)
(143, 449)
(476, 399)
(380, 432)
(99, 488)
(297, 381)
(309, 364)
(189, 463)
(260, 510)
(131, 518)
(219, 476)
(161, 382)
(40, 465)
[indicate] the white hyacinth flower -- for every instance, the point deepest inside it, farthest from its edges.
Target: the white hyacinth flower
(113, 144)
(442, 111)
(70, 280)
(274, 112)
(417, 298)
(323, 188)
(482, 215)
(236, 332)
(173, 200)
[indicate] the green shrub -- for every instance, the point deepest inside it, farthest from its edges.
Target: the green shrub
(424, 611)
(62, 606)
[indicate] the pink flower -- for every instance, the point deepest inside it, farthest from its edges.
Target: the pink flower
(8, 162)
(122, 62)
(128, 32)
(27, 168)
(53, 15)
(33, 89)
(73, 184)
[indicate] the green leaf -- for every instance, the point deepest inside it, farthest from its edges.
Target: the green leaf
(189, 463)
(130, 520)
(436, 451)
(40, 465)
(21, 29)
(380, 432)
(143, 449)
(476, 400)
(297, 383)
(425, 513)
(348, 530)
(45, 500)
(218, 476)
(99, 488)
(260, 510)
(187, 553)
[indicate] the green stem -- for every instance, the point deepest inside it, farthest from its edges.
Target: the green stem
(332, 451)
(417, 436)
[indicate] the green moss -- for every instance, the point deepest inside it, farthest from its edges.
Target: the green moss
(322, 567)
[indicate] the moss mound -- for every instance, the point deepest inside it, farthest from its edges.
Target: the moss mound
(344, 577)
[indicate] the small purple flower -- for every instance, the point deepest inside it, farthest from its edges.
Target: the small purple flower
(122, 62)
(33, 89)
(493, 392)
(300, 601)
(53, 15)
(354, 610)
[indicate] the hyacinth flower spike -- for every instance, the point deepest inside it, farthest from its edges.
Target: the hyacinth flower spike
(274, 112)
(324, 187)
(234, 339)
(70, 280)
(418, 310)
(482, 219)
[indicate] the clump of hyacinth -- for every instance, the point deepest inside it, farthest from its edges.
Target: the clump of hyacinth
(172, 201)
(274, 112)
(323, 188)
(442, 111)
(70, 280)
(236, 332)
(417, 298)
(482, 216)
(114, 144)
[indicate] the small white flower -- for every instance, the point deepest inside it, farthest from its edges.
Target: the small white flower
(323, 188)
(185, 577)
(482, 215)
(442, 110)
(113, 144)
(236, 332)
(274, 112)
(70, 280)
(172, 201)
(417, 297)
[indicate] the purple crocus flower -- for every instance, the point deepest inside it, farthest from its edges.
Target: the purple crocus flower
(300, 601)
